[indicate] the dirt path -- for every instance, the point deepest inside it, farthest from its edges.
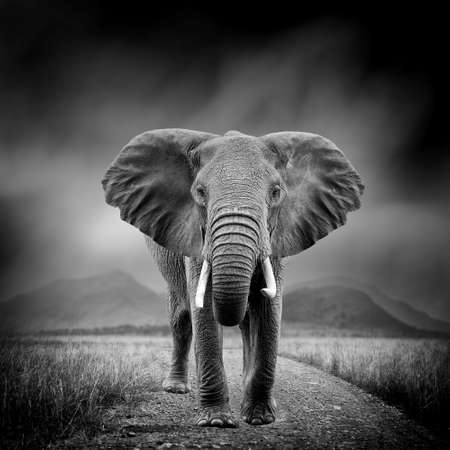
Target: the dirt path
(316, 411)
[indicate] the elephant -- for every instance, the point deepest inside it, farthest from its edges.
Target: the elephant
(219, 213)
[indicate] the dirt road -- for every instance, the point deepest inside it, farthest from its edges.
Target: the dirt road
(316, 411)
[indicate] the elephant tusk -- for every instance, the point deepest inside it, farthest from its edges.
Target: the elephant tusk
(202, 283)
(271, 290)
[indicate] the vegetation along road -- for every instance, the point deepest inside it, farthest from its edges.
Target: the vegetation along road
(316, 410)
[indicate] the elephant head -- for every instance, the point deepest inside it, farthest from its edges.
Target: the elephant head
(234, 200)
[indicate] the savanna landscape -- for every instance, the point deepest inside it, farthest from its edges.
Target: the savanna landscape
(85, 341)
(79, 386)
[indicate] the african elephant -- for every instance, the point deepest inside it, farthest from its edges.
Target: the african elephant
(219, 213)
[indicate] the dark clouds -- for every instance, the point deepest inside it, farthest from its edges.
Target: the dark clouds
(79, 82)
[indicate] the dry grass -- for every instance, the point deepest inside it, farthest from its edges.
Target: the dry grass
(51, 389)
(413, 374)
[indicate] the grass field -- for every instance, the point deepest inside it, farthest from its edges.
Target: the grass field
(56, 387)
(53, 388)
(412, 374)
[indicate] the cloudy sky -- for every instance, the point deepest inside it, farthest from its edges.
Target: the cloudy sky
(77, 83)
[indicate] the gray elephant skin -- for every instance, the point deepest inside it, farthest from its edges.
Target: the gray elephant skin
(219, 214)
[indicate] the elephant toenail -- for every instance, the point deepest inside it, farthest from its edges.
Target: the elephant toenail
(257, 421)
(202, 423)
(268, 418)
(216, 422)
(231, 424)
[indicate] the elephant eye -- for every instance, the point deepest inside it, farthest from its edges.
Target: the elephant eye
(276, 194)
(200, 194)
(201, 191)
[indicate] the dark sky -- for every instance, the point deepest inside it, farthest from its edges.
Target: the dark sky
(77, 81)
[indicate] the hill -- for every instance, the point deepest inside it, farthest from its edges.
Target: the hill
(398, 309)
(107, 300)
(339, 307)
(114, 299)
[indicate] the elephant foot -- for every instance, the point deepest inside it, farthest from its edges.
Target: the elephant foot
(216, 416)
(259, 412)
(175, 386)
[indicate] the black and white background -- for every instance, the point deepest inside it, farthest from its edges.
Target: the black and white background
(368, 305)
(78, 80)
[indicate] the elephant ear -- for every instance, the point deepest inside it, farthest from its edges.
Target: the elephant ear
(322, 187)
(150, 182)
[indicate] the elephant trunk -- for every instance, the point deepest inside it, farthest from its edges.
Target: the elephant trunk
(234, 251)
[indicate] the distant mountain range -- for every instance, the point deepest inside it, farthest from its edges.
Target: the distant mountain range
(116, 298)
(106, 300)
(345, 303)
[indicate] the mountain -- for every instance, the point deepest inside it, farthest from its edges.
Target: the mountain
(106, 300)
(407, 313)
(115, 298)
(339, 307)
(348, 292)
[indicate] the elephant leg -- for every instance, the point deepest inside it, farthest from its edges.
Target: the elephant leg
(260, 334)
(172, 268)
(176, 380)
(214, 408)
